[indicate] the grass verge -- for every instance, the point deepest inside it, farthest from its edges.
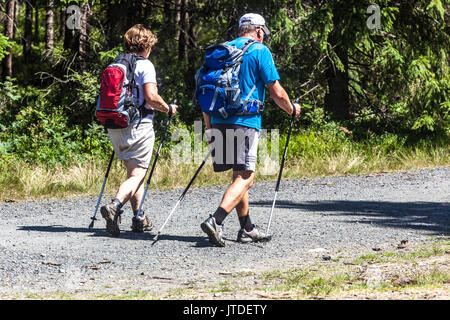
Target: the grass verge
(311, 154)
(419, 272)
(422, 272)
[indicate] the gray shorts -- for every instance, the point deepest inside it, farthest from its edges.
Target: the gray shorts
(134, 143)
(234, 147)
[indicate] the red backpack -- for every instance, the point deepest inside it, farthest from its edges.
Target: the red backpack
(115, 104)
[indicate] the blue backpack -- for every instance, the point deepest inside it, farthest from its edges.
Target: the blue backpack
(217, 83)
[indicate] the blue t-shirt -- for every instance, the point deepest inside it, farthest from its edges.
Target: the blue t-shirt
(257, 68)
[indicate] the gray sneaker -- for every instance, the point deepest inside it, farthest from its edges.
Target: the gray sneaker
(141, 223)
(253, 235)
(214, 231)
(111, 213)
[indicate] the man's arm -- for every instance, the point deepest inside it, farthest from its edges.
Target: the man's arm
(281, 98)
(207, 119)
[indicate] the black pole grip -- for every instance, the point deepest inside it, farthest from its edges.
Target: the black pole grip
(170, 108)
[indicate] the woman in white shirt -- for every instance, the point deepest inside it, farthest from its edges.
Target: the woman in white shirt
(134, 144)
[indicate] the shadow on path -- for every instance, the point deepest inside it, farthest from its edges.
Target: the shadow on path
(428, 216)
(124, 234)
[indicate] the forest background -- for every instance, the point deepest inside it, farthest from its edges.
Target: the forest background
(374, 89)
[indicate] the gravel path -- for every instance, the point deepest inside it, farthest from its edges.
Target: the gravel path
(46, 246)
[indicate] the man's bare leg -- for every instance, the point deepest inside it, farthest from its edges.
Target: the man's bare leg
(238, 191)
(242, 207)
(242, 181)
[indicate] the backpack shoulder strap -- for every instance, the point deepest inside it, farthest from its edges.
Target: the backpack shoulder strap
(247, 45)
(241, 51)
(129, 60)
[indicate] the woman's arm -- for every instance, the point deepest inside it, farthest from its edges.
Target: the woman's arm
(154, 99)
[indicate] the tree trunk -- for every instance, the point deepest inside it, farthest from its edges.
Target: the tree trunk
(62, 23)
(84, 34)
(183, 35)
(36, 38)
(49, 34)
(116, 23)
(337, 100)
(192, 52)
(68, 33)
(167, 9)
(9, 33)
(177, 18)
(28, 30)
(16, 17)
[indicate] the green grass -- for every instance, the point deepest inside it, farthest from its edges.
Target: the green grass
(336, 279)
(311, 154)
(432, 250)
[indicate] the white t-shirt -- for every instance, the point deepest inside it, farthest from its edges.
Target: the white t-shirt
(144, 73)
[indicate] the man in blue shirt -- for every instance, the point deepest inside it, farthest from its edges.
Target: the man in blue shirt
(257, 72)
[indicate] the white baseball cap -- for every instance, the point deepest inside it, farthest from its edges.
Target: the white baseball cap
(253, 19)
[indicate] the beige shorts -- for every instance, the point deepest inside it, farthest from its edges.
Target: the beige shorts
(134, 143)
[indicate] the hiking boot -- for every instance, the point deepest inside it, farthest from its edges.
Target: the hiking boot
(111, 213)
(214, 231)
(253, 235)
(141, 223)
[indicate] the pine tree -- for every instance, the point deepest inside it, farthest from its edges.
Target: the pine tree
(9, 34)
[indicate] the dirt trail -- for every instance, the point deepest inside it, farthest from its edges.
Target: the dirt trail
(46, 247)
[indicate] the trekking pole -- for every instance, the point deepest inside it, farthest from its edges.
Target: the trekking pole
(154, 162)
(181, 197)
(267, 237)
(91, 225)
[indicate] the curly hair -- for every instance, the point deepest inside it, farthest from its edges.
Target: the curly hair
(138, 39)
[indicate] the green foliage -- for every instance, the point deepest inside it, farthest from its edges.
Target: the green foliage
(9, 93)
(109, 55)
(398, 77)
(5, 43)
(40, 132)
